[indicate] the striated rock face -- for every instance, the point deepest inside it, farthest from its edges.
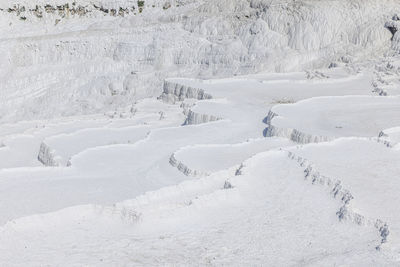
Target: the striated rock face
(295, 135)
(185, 169)
(173, 92)
(46, 156)
(94, 56)
(66, 10)
(197, 118)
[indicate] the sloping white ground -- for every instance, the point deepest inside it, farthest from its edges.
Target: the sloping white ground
(369, 171)
(270, 216)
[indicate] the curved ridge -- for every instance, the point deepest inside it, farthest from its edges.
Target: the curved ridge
(186, 170)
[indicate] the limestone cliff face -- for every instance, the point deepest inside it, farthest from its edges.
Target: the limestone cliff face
(92, 56)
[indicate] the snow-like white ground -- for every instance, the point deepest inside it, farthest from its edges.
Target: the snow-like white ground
(187, 133)
(270, 216)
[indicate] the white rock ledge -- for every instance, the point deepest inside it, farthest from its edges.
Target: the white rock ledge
(322, 119)
(292, 134)
(390, 137)
(197, 118)
(185, 169)
(173, 92)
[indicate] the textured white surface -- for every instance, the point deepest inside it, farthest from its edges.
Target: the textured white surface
(129, 135)
(94, 62)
